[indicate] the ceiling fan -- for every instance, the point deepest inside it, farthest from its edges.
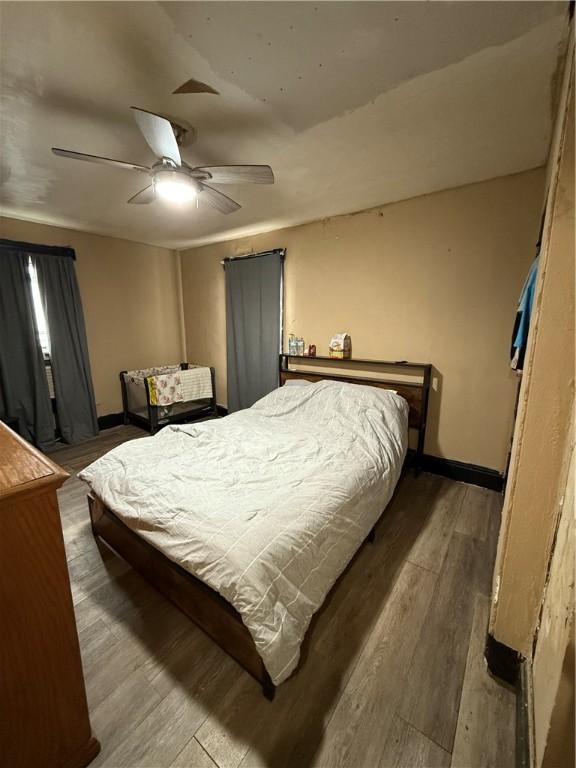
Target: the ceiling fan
(171, 177)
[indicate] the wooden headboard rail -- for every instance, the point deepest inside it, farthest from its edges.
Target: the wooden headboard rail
(415, 393)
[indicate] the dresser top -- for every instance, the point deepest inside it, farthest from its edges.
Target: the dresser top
(23, 468)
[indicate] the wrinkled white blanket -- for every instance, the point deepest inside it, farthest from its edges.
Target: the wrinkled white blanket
(268, 505)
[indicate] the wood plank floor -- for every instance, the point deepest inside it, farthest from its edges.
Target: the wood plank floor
(393, 676)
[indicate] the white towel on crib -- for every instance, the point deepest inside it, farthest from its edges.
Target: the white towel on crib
(196, 383)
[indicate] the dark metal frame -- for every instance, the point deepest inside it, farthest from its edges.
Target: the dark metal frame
(153, 423)
(228, 259)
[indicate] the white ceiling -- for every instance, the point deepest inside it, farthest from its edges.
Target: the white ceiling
(353, 104)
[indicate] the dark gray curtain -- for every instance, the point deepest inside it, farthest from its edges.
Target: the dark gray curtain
(75, 403)
(23, 382)
(253, 319)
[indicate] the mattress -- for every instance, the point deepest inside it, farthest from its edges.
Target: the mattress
(268, 505)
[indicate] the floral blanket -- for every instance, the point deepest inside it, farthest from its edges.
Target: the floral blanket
(181, 386)
(165, 389)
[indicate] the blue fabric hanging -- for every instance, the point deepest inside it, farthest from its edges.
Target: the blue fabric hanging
(523, 315)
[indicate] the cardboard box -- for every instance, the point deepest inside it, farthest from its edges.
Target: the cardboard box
(340, 347)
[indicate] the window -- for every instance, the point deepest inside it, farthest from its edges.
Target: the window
(41, 323)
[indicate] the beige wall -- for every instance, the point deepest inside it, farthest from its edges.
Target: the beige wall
(560, 750)
(130, 299)
(434, 278)
(556, 624)
(541, 450)
(533, 600)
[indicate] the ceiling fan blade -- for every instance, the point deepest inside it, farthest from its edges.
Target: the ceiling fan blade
(216, 199)
(195, 86)
(146, 195)
(102, 160)
(239, 174)
(158, 133)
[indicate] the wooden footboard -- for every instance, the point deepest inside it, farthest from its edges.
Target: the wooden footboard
(211, 612)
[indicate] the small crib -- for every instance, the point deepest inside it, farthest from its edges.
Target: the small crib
(166, 394)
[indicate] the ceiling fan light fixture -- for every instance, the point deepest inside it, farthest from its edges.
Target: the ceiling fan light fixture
(171, 178)
(174, 187)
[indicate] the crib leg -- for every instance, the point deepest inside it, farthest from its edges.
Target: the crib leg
(268, 688)
(153, 412)
(214, 403)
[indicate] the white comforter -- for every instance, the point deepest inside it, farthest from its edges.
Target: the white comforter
(268, 505)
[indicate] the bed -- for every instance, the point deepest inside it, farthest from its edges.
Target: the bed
(246, 522)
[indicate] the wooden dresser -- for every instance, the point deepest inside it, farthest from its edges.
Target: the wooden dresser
(43, 711)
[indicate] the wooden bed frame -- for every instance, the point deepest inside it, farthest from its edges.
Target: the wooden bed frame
(209, 610)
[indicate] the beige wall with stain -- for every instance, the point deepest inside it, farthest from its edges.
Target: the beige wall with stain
(533, 600)
(560, 749)
(556, 632)
(435, 278)
(541, 441)
(130, 298)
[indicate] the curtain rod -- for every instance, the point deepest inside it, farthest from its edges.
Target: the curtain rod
(281, 251)
(45, 250)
